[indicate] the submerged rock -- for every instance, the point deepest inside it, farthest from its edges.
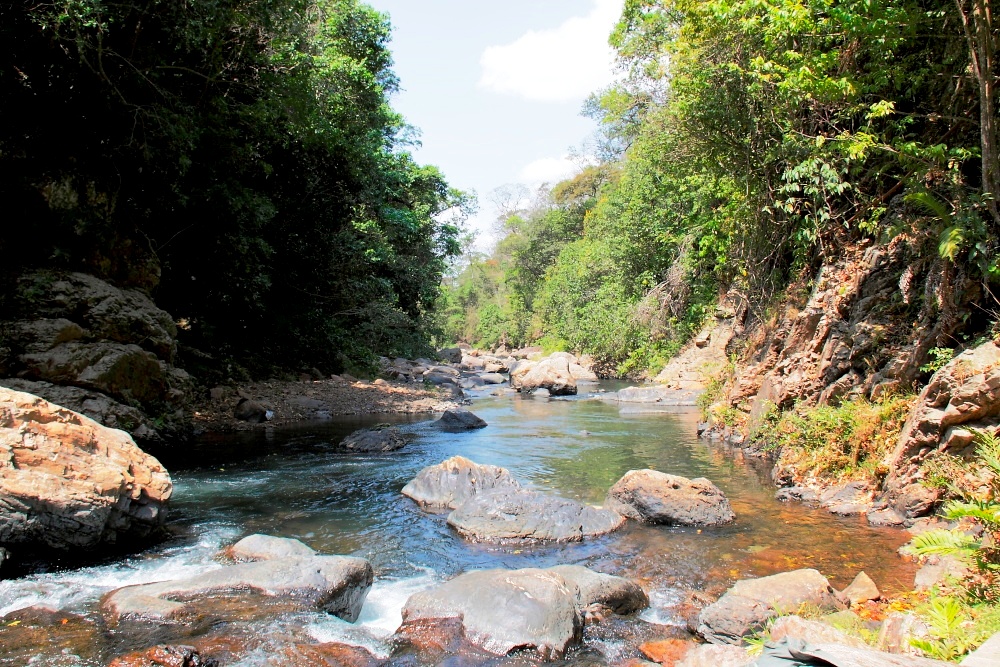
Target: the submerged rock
(505, 610)
(505, 514)
(68, 482)
(259, 547)
(750, 603)
(459, 420)
(449, 484)
(381, 438)
(656, 497)
(164, 656)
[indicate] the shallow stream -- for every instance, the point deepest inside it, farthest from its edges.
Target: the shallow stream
(295, 482)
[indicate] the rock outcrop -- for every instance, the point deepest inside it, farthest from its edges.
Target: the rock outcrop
(67, 482)
(451, 483)
(335, 584)
(75, 330)
(657, 497)
(959, 399)
(505, 515)
(505, 610)
(751, 603)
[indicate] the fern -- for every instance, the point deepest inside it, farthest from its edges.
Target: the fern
(987, 511)
(943, 543)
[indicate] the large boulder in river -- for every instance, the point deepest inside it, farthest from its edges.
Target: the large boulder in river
(452, 482)
(519, 514)
(381, 438)
(656, 497)
(280, 567)
(505, 610)
(552, 373)
(746, 608)
(960, 398)
(68, 482)
(458, 419)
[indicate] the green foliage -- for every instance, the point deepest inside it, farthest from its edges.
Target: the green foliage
(968, 612)
(240, 158)
(849, 439)
(940, 358)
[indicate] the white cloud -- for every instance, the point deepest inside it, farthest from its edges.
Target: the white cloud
(547, 170)
(564, 64)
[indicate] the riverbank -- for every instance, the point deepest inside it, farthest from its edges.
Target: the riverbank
(294, 401)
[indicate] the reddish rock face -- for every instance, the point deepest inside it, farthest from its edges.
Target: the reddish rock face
(667, 651)
(164, 656)
(67, 482)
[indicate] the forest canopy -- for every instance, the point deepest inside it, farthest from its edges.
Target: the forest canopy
(239, 159)
(746, 143)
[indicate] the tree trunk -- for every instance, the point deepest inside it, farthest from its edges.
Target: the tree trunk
(977, 20)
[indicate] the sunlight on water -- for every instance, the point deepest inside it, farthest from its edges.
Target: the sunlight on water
(75, 590)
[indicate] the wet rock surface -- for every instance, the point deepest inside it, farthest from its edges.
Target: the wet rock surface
(68, 482)
(504, 610)
(657, 497)
(505, 514)
(164, 656)
(449, 484)
(552, 374)
(381, 438)
(750, 603)
(335, 584)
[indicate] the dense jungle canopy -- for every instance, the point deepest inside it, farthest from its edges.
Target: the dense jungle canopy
(238, 159)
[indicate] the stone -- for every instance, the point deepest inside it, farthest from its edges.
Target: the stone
(792, 652)
(552, 373)
(621, 596)
(440, 379)
(474, 382)
(492, 378)
(381, 438)
(656, 497)
(810, 632)
(751, 603)
(709, 655)
(451, 354)
(335, 584)
(938, 570)
(666, 651)
(459, 419)
(505, 610)
(847, 499)
(257, 547)
(4, 557)
(67, 482)
(862, 589)
(505, 514)
(885, 517)
(452, 482)
(34, 336)
(101, 408)
(796, 493)
(124, 371)
(964, 393)
(896, 631)
(107, 312)
(164, 656)
(251, 411)
(987, 655)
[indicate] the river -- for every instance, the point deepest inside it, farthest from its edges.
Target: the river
(296, 482)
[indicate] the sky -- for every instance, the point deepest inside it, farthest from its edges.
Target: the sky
(496, 88)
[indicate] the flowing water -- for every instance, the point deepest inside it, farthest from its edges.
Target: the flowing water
(295, 482)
